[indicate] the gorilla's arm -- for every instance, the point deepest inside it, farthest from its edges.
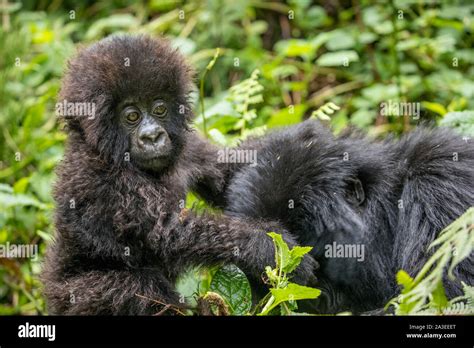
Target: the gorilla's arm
(208, 177)
(210, 240)
(109, 250)
(144, 291)
(211, 177)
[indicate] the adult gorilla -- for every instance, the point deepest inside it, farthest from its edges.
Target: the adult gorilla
(387, 199)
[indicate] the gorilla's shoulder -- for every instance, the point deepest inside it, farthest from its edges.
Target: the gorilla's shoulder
(435, 151)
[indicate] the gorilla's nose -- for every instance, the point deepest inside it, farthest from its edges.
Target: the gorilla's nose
(151, 136)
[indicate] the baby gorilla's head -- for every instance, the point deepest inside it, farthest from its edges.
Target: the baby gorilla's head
(136, 90)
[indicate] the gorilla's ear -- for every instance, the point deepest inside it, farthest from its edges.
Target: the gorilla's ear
(355, 191)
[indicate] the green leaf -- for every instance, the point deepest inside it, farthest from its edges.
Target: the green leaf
(463, 121)
(468, 293)
(195, 281)
(41, 186)
(162, 5)
(406, 307)
(213, 60)
(464, 241)
(367, 38)
(405, 280)
(232, 284)
(339, 58)
(296, 255)
(21, 185)
(282, 252)
(272, 274)
(325, 110)
(295, 48)
(6, 188)
(319, 40)
(439, 299)
(363, 118)
(117, 21)
(11, 200)
(292, 292)
(287, 116)
(379, 92)
(283, 71)
(340, 40)
(45, 236)
(435, 107)
(186, 46)
(217, 136)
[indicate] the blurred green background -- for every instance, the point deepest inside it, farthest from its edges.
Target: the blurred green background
(355, 54)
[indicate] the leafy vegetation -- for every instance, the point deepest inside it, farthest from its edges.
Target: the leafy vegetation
(422, 295)
(285, 59)
(284, 294)
(228, 291)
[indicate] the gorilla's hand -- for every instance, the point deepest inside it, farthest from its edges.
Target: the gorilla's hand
(305, 273)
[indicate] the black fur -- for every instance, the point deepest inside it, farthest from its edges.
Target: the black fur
(122, 236)
(393, 197)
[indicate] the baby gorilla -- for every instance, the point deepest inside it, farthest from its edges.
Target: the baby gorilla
(387, 201)
(122, 236)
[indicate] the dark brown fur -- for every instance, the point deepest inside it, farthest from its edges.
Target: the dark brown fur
(122, 238)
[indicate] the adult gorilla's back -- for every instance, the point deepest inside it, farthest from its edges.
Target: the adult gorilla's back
(391, 197)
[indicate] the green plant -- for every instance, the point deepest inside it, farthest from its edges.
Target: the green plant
(201, 88)
(356, 54)
(462, 121)
(283, 293)
(324, 111)
(243, 96)
(226, 290)
(231, 284)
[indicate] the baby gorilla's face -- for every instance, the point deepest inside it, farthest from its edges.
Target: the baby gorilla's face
(139, 87)
(147, 124)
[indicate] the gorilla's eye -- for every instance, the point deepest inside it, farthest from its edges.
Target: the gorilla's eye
(132, 116)
(159, 109)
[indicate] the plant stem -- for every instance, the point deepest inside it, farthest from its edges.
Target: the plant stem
(201, 100)
(201, 88)
(280, 269)
(285, 307)
(269, 303)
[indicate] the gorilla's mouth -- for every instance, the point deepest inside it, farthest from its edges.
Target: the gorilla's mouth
(155, 157)
(151, 157)
(155, 162)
